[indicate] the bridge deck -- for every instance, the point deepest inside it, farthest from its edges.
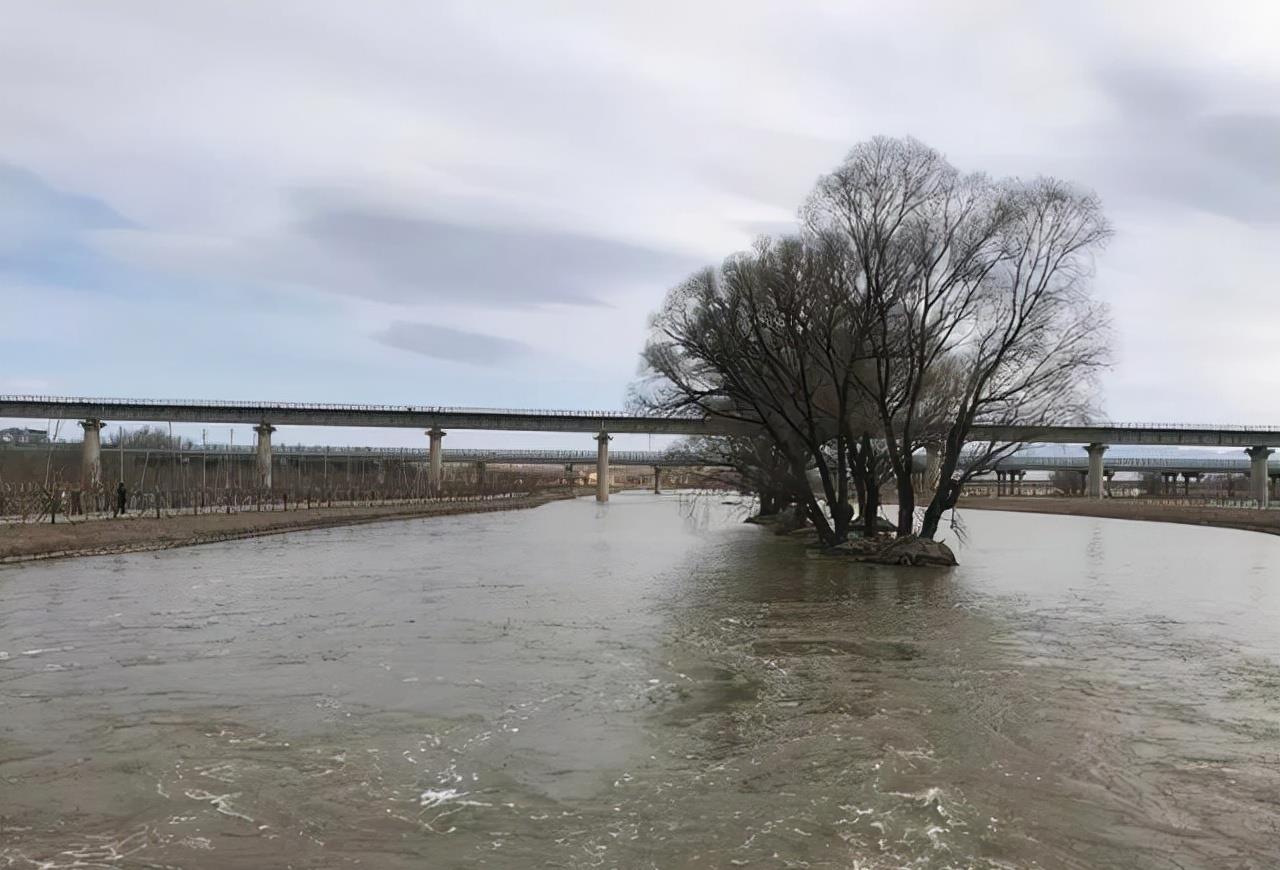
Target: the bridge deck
(647, 458)
(427, 416)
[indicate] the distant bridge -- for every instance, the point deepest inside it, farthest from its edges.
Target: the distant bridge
(643, 458)
(378, 416)
(650, 458)
(265, 416)
(1141, 464)
(533, 420)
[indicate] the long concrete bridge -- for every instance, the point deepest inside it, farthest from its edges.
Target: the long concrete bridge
(1257, 441)
(1013, 469)
(465, 456)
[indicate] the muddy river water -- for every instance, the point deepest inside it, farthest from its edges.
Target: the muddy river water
(650, 684)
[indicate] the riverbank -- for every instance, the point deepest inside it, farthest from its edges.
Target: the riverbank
(1225, 518)
(29, 542)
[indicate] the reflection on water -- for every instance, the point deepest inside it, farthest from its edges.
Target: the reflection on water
(646, 684)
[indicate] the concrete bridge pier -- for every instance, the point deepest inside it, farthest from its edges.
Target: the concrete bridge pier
(1259, 481)
(435, 468)
(264, 431)
(1187, 477)
(932, 466)
(602, 467)
(1094, 484)
(91, 453)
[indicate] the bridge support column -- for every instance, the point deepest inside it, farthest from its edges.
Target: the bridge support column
(657, 480)
(435, 453)
(264, 431)
(1094, 481)
(1259, 481)
(1187, 477)
(602, 467)
(91, 453)
(932, 466)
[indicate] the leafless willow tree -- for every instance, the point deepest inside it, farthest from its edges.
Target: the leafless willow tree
(918, 303)
(756, 461)
(973, 298)
(760, 342)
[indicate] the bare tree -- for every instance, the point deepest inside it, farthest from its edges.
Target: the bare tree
(973, 296)
(919, 303)
(757, 463)
(760, 342)
(151, 437)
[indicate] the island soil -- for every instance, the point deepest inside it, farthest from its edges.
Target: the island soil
(30, 541)
(1196, 515)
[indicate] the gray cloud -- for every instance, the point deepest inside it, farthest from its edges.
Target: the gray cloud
(336, 164)
(33, 213)
(455, 345)
(393, 257)
(1176, 143)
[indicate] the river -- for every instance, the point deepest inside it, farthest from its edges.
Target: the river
(647, 684)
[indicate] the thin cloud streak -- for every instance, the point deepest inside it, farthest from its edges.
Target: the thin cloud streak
(453, 345)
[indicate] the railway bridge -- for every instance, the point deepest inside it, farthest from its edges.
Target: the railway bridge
(1258, 442)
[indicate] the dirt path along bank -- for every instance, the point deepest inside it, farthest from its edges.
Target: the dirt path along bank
(1267, 521)
(28, 541)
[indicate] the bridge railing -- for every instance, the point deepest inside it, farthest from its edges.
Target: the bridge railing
(326, 406)
(1182, 427)
(1126, 463)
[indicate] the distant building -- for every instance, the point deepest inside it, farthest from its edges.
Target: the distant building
(23, 436)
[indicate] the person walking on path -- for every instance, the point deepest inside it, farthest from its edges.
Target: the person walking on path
(122, 499)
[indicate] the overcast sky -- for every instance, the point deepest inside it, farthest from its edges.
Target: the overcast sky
(479, 203)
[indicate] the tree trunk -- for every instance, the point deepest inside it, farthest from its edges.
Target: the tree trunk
(871, 510)
(770, 504)
(841, 520)
(867, 483)
(825, 533)
(906, 502)
(943, 501)
(948, 491)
